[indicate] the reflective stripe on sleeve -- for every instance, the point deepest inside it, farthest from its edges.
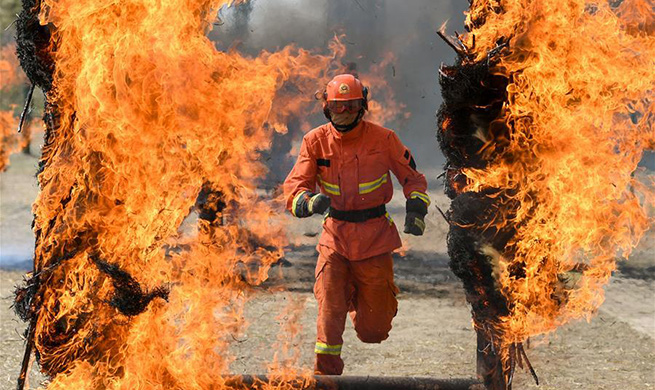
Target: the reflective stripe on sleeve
(424, 197)
(365, 188)
(419, 222)
(332, 189)
(294, 205)
(325, 349)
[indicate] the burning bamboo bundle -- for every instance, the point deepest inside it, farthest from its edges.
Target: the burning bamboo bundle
(145, 120)
(546, 114)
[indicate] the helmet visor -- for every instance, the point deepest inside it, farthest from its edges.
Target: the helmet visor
(339, 107)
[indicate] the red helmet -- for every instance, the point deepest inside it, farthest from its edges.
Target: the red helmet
(344, 93)
(345, 87)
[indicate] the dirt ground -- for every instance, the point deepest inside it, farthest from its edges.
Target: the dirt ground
(432, 334)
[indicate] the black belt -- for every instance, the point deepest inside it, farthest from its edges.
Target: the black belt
(357, 215)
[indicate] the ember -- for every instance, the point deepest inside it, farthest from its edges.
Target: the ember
(546, 114)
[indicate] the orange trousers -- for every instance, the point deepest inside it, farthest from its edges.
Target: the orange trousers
(364, 288)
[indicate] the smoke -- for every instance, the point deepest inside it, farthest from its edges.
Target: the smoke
(373, 29)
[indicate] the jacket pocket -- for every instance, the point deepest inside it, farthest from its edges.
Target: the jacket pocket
(319, 282)
(327, 176)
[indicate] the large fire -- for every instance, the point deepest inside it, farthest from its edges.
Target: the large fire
(10, 72)
(557, 163)
(581, 105)
(147, 120)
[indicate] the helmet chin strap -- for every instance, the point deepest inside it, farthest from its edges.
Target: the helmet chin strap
(347, 128)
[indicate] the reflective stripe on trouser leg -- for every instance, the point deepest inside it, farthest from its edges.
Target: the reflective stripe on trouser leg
(325, 349)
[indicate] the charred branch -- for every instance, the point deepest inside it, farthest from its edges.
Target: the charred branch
(23, 298)
(454, 43)
(33, 46)
(27, 354)
(524, 357)
(26, 108)
(445, 217)
(129, 297)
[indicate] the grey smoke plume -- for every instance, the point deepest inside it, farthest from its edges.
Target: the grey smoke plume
(372, 28)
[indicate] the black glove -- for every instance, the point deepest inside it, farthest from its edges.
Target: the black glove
(414, 219)
(318, 204)
(414, 224)
(307, 204)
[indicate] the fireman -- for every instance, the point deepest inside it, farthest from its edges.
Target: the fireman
(349, 159)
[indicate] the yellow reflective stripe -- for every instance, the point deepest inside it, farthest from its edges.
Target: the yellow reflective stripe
(318, 351)
(310, 203)
(420, 195)
(420, 224)
(389, 218)
(328, 346)
(365, 188)
(330, 188)
(295, 202)
(326, 349)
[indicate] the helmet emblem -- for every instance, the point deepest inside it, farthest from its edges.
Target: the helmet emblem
(344, 89)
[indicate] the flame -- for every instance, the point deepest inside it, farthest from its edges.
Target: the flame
(149, 115)
(11, 75)
(287, 356)
(383, 105)
(10, 71)
(9, 140)
(581, 112)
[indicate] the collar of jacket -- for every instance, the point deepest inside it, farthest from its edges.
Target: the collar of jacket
(353, 134)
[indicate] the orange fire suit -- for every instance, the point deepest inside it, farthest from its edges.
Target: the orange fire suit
(354, 270)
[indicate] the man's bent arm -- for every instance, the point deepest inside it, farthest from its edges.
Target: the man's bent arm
(300, 184)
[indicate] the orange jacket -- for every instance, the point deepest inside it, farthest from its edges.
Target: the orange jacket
(353, 170)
